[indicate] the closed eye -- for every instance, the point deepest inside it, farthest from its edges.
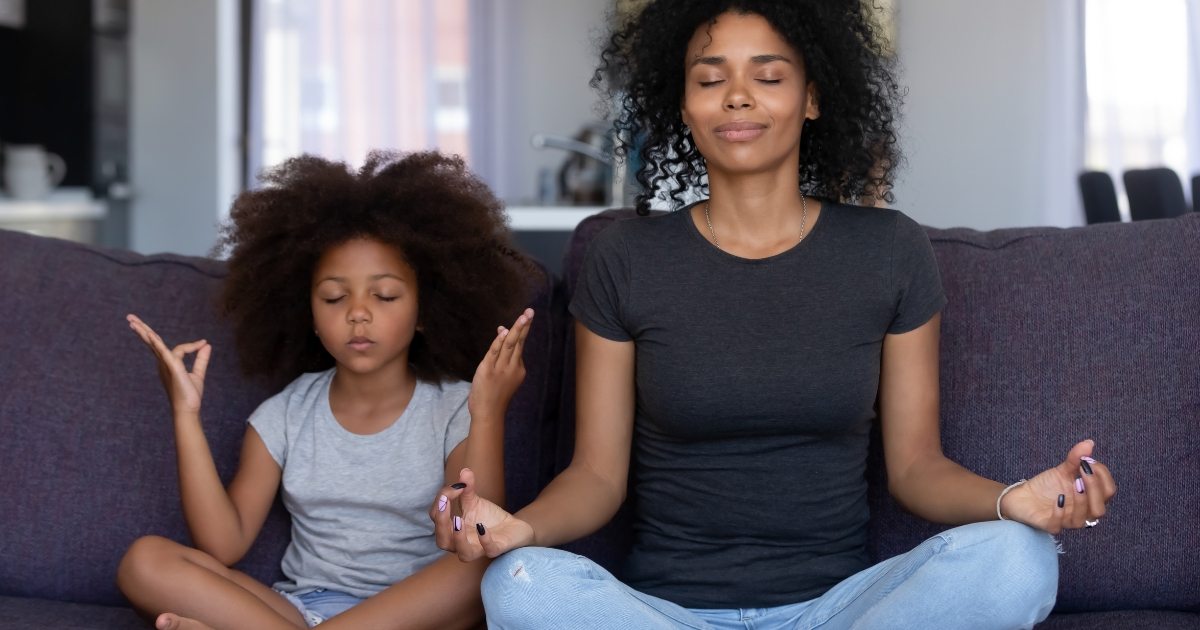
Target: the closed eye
(771, 81)
(710, 83)
(333, 300)
(386, 299)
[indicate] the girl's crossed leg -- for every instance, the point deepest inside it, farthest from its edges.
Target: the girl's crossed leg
(162, 576)
(996, 575)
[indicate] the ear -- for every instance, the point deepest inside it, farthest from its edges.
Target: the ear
(812, 110)
(683, 113)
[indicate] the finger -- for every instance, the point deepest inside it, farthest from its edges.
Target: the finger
(1078, 503)
(519, 345)
(200, 367)
(185, 349)
(493, 352)
(467, 498)
(489, 546)
(1070, 466)
(1102, 475)
(442, 517)
(466, 542)
(144, 332)
(1093, 493)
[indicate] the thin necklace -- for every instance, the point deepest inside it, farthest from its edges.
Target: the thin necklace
(803, 219)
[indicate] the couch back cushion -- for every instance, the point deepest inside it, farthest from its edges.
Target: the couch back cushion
(1050, 336)
(87, 448)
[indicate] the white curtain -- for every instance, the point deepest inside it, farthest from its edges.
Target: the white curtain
(338, 78)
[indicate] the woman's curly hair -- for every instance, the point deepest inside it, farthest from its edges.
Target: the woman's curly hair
(443, 221)
(847, 154)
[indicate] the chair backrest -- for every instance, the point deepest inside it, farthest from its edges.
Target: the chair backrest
(87, 448)
(1050, 336)
(1099, 197)
(1154, 193)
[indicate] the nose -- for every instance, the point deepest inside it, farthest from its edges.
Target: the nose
(738, 97)
(359, 313)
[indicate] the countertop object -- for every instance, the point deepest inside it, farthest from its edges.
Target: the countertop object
(549, 218)
(68, 213)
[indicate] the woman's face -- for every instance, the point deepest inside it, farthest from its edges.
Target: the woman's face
(364, 304)
(746, 96)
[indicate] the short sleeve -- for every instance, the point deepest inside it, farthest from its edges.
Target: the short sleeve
(269, 420)
(916, 282)
(603, 285)
(459, 425)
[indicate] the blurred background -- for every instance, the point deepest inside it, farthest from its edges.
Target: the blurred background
(133, 123)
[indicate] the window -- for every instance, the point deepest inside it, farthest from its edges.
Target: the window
(1137, 84)
(337, 78)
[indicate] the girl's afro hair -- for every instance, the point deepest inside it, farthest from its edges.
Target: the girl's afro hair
(443, 221)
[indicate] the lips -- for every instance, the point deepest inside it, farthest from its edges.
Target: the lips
(741, 130)
(360, 343)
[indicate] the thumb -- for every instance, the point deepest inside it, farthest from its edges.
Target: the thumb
(200, 367)
(1080, 450)
(468, 499)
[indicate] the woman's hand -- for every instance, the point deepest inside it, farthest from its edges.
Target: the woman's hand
(501, 371)
(184, 389)
(1065, 496)
(483, 529)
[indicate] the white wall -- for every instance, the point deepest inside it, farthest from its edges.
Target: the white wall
(976, 112)
(181, 144)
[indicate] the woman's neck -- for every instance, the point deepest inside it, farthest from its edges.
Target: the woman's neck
(756, 215)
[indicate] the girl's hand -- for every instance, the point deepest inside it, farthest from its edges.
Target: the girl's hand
(184, 388)
(502, 369)
(1084, 485)
(483, 529)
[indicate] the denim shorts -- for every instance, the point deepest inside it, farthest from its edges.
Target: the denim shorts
(321, 604)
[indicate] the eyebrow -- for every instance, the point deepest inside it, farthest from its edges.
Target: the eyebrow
(757, 59)
(378, 276)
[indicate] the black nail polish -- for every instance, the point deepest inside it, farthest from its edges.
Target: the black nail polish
(458, 486)
(1087, 468)
(479, 528)
(1062, 500)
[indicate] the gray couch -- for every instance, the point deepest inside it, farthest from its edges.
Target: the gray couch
(1050, 336)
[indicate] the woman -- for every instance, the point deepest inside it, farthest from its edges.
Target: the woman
(745, 341)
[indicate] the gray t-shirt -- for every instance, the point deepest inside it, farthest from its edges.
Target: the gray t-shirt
(359, 503)
(756, 385)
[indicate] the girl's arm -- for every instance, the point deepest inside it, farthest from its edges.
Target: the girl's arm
(222, 524)
(926, 483)
(588, 493)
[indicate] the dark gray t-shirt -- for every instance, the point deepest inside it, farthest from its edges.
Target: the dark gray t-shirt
(756, 386)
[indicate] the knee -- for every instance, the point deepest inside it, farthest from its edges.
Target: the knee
(522, 580)
(1025, 561)
(142, 561)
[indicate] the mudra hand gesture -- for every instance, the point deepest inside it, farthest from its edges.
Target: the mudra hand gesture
(484, 529)
(1069, 496)
(184, 389)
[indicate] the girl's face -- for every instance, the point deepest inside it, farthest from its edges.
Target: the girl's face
(364, 304)
(746, 96)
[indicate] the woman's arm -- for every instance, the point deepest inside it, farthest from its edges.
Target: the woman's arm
(588, 493)
(222, 524)
(926, 483)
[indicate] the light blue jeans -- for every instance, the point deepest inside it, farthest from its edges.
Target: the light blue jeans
(994, 575)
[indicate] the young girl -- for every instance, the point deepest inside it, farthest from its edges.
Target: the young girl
(375, 293)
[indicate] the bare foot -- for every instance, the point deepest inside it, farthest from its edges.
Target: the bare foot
(170, 621)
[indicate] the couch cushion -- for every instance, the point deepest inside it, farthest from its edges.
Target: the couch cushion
(18, 613)
(1050, 336)
(1123, 620)
(87, 447)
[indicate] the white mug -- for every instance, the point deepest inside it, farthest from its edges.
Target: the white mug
(30, 172)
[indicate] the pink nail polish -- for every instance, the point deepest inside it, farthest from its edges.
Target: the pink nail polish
(1079, 485)
(457, 524)
(1088, 460)
(442, 502)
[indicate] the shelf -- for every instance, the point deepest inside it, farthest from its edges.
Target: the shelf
(549, 218)
(64, 204)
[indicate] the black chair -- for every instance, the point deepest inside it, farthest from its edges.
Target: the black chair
(1195, 190)
(1154, 193)
(1099, 197)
